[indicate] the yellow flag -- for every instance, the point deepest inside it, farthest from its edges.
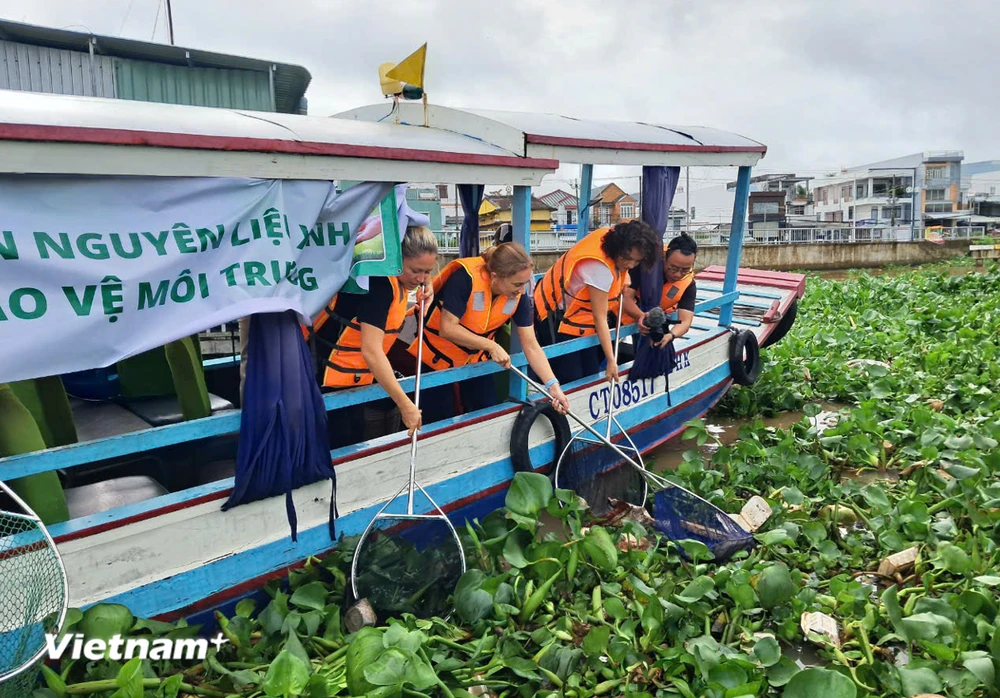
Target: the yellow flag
(411, 69)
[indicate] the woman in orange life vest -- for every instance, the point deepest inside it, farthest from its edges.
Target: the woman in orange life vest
(357, 331)
(476, 296)
(679, 289)
(582, 290)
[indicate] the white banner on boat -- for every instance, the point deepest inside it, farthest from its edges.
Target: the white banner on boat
(93, 270)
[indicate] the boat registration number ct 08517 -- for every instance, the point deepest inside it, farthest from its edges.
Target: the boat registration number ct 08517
(627, 393)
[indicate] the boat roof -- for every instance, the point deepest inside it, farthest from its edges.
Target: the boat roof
(89, 135)
(574, 140)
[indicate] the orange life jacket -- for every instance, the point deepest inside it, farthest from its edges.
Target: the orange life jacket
(345, 367)
(672, 293)
(484, 315)
(578, 317)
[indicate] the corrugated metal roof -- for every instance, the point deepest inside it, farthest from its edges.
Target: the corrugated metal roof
(290, 81)
(57, 71)
(503, 203)
(203, 87)
(558, 198)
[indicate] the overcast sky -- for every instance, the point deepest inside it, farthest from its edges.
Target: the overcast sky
(823, 85)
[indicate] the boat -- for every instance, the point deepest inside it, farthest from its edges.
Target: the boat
(146, 487)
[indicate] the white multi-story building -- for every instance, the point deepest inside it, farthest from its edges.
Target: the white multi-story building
(889, 192)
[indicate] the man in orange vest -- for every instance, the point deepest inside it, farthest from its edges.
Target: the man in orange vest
(582, 291)
(358, 330)
(476, 296)
(679, 290)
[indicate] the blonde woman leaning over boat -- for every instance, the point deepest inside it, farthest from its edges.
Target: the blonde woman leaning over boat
(357, 331)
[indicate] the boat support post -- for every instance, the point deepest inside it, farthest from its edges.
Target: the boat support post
(586, 184)
(521, 234)
(735, 245)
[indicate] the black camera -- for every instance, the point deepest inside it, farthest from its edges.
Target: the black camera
(656, 321)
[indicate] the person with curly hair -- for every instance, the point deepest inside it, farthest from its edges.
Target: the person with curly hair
(582, 291)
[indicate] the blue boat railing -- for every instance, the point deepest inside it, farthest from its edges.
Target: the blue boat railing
(79, 454)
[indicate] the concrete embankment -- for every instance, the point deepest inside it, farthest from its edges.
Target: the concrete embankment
(840, 255)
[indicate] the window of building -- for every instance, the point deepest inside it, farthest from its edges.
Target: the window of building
(938, 208)
(628, 210)
(936, 172)
(845, 193)
(880, 189)
(569, 217)
(862, 191)
(935, 194)
(763, 207)
(442, 191)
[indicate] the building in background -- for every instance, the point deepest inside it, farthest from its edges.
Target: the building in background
(428, 201)
(57, 61)
(565, 209)
(496, 210)
(610, 205)
(981, 191)
(777, 202)
(922, 189)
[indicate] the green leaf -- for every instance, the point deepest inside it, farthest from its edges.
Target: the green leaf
(954, 559)
(54, 681)
(961, 472)
(599, 548)
(815, 531)
(982, 668)
(471, 602)
(958, 443)
(696, 589)
(781, 673)
(105, 620)
(286, 677)
(927, 626)
(614, 607)
(245, 608)
(778, 535)
(739, 589)
(312, 595)
(984, 443)
(728, 675)
(529, 494)
(890, 602)
(917, 681)
(987, 579)
(398, 636)
(815, 682)
(775, 586)
(525, 668)
(595, 643)
(875, 496)
(366, 645)
(129, 680)
(767, 651)
(696, 550)
(513, 549)
(171, 686)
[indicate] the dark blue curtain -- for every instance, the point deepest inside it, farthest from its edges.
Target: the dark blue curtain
(283, 440)
(658, 187)
(471, 196)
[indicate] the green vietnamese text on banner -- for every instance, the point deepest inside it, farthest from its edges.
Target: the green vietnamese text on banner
(93, 270)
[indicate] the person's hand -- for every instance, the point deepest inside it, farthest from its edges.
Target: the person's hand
(612, 372)
(497, 354)
(412, 418)
(559, 399)
(642, 325)
(425, 293)
(667, 339)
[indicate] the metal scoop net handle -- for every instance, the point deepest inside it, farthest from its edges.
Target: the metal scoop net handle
(437, 513)
(655, 479)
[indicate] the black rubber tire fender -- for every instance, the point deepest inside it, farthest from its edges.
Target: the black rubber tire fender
(745, 369)
(784, 324)
(519, 456)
